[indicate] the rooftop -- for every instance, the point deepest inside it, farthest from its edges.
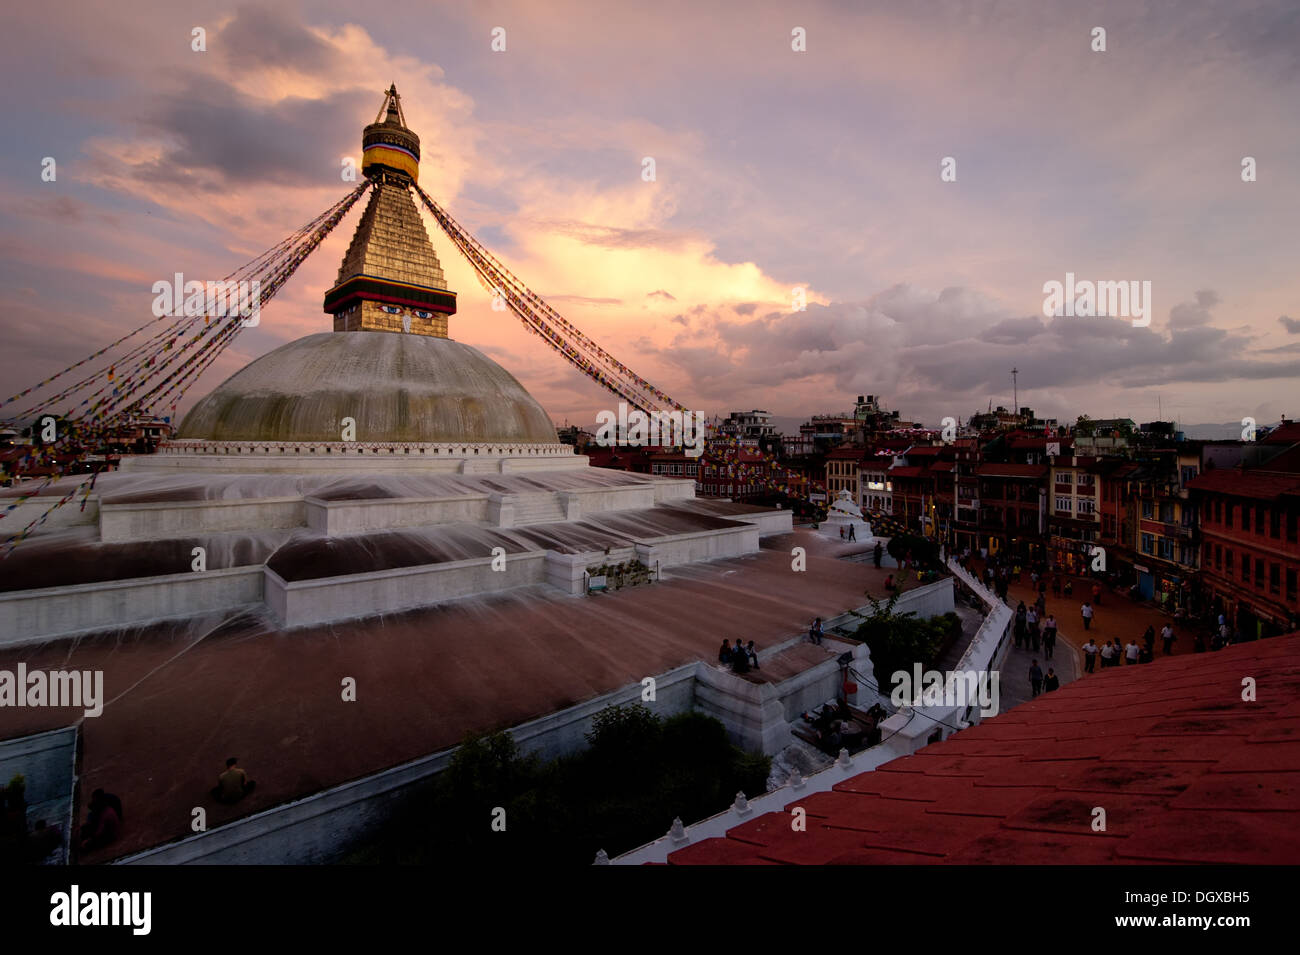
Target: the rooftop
(1185, 770)
(183, 697)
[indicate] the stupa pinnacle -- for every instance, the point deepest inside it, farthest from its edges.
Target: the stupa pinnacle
(391, 279)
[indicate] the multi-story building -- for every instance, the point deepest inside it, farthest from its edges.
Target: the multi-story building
(751, 429)
(1010, 508)
(1072, 505)
(1250, 536)
(877, 488)
(844, 473)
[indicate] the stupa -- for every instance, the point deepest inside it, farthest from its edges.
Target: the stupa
(378, 467)
(842, 515)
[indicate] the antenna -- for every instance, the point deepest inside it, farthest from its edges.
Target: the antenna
(1015, 392)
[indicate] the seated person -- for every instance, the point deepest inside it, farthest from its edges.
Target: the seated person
(889, 583)
(724, 654)
(234, 784)
(739, 659)
(103, 821)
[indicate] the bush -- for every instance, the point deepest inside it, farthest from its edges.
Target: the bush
(898, 641)
(639, 773)
(923, 550)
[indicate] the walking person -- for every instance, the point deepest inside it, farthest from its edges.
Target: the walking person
(1086, 612)
(1051, 682)
(852, 535)
(877, 554)
(1049, 636)
(1096, 594)
(1035, 678)
(1021, 625)
(1131, 653)
(1167, 635)
(815, 631)
(1090, 656)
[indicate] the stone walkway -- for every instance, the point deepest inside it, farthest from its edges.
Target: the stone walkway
(1015, 688)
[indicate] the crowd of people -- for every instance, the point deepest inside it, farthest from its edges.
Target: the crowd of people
(740, 658)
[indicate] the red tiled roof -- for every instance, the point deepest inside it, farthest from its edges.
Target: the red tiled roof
(1263, 485)
(907, 472)
(942, 466)
(1288, 433)
(1012, 470)
(1186, 771)
(925, 451)
(849, 453)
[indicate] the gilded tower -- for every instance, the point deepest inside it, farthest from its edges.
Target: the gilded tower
(390, 279)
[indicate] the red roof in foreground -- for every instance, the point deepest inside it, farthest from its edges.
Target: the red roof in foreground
(1185, 770)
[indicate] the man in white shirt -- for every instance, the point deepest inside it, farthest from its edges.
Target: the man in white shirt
(1167, 635)
(1089, 656)
(1107, 651)
(1086, 611)
(1131, 652)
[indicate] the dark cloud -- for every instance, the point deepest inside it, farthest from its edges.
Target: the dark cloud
(1292, 325)
(661, 294)
(1281, 349)
(216, 136)
(261, 36)
(1190, 314)
(911, 344)
(1014, 331)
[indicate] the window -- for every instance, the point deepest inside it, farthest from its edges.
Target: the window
(1274, 523)
(1187, 473)
(1259, 573)
(1064, 477)
(1245, 568)
(1148, 544)
(1227, 515)
(1147, 509)
(1087, 505)
(1086, 480)
(1167, 548)
(1166, 513)
(1227, 561)
(1218, 556)
(1063, 504)
(1259, 518)
(1245, 518)
(1274, 578)
(1291, 585)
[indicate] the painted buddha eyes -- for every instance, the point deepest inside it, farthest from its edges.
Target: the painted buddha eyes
(391, 309)
(419, 314)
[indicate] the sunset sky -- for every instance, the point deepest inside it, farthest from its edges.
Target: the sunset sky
(775, 169)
